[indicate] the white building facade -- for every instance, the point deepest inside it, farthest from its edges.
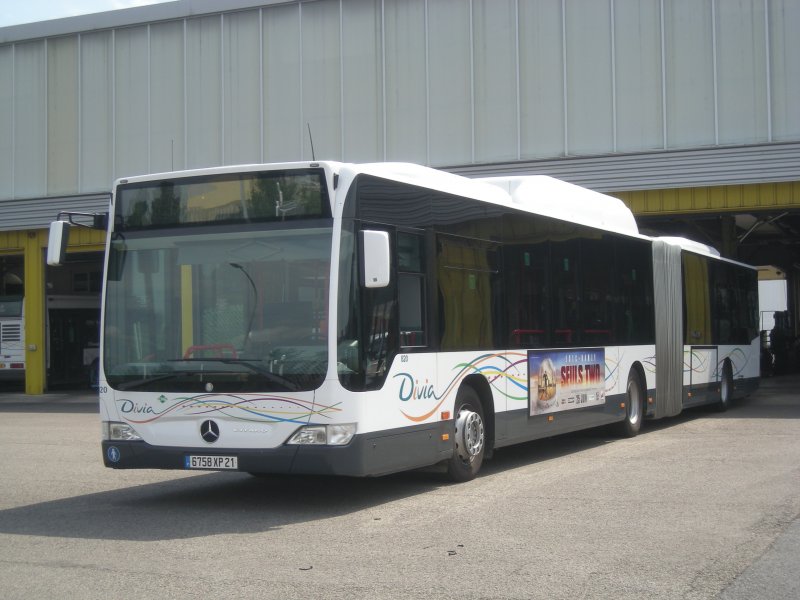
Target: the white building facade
(618, 95)
(438, 82)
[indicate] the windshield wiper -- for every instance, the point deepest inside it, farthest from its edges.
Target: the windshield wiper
(290, 386)
(132, 385)
(190, 374)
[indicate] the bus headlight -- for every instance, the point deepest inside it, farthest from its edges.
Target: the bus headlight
(330, 435)
(113, 431)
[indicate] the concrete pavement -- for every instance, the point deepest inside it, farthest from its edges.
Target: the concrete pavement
(66, 401)
(702, 506)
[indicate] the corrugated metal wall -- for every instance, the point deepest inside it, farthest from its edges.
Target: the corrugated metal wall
(439, 82)
(36, 213)
(714, 199)
(723, 165)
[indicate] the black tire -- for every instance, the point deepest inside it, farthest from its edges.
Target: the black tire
(725, 387)
(469, 444)
(634, 406)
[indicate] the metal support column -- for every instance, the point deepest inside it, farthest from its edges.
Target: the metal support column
(35, 344)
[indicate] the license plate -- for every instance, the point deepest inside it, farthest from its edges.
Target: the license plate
(211, 462)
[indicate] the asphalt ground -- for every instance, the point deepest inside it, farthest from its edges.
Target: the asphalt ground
(704, 505)
(66, 401)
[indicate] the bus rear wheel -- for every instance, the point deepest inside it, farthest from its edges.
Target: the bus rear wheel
(470, 436)
(634, 406)
(725, 387)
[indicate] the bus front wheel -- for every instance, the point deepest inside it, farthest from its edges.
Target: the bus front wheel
(470, 436)
(634, 406)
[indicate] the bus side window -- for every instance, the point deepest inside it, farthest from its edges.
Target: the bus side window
(565, 301)
(597, 294)
(527, 272)
(633, 281)
(696, 299)
(411, 289)
(466, 271)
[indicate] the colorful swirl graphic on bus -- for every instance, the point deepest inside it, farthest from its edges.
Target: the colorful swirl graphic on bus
(699, 361)
(739, 359)
(246, 407)
(611, 374)
(496, 368)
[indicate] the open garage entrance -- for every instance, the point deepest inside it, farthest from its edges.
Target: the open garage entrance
(72, 307)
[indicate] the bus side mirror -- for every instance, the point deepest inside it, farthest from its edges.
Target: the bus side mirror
(375, 259)
(57, 244)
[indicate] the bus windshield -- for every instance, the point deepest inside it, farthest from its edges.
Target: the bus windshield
(248, 197)
(218, 309)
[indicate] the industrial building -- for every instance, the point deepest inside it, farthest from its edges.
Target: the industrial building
(685, 109)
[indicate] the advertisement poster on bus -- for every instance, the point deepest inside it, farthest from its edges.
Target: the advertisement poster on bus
(565, 379)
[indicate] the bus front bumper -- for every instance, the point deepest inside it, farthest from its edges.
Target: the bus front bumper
(366, 455)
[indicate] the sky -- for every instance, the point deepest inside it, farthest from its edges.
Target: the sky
(15, 12)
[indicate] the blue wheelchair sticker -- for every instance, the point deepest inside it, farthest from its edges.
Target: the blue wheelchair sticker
(113, 454)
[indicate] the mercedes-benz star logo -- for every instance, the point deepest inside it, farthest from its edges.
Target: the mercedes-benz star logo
(209, 431)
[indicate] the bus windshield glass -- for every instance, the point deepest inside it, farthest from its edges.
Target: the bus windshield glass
(244, 197)
(224, 308)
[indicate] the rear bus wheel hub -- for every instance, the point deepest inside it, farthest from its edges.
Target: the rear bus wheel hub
(469, 434)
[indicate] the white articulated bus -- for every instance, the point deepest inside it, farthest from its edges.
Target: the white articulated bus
(334, 318)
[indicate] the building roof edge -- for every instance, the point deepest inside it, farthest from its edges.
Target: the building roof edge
(126, 17)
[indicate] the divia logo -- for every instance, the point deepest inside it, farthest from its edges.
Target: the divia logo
(411, 389)
(130, 407)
